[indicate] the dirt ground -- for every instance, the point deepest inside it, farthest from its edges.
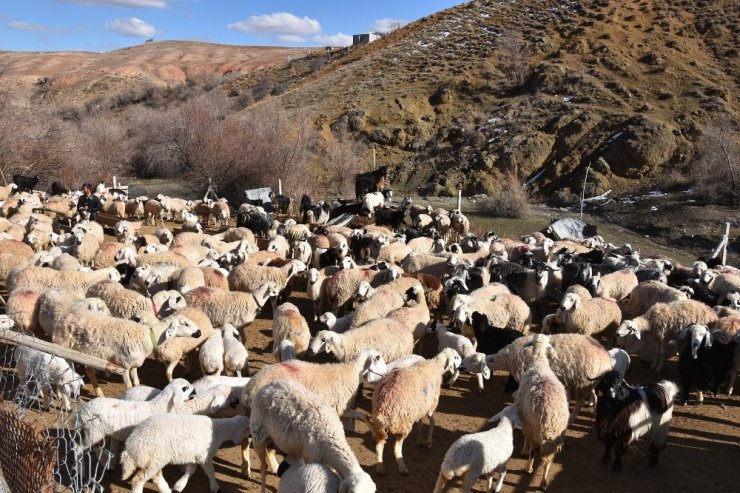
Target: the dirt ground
(703, 446)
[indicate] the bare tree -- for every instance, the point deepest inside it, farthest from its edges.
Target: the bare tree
(714, 172)
(514, 58)
(342, 159)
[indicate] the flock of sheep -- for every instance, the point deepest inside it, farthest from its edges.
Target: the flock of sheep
(378, 287)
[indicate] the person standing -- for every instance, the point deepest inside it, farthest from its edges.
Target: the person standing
(88, 205)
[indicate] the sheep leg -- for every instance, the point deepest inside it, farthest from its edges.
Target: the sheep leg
(161, 483)
(420, 429)
(398, 453)
(379, 446)
(208, 468)
(607, 453)
(431, 430)
(246, 463)
(453, 378)
(140, 479)
(618, 452)
(189, 471)
(440, 485)
(577, 407)
(127, 379)
(262, 455)
(500, 482)
(170, 370)
(661, 355)
(481, 385)
(272, 461)
(547, 452)
(135, 376)
(94, 382)
(731, 381)
(469, 481)
(701, 397)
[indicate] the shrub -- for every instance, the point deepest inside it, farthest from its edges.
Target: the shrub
(511, 201)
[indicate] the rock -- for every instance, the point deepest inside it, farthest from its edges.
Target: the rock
(525, 154)
(644, 145)
(443, 95)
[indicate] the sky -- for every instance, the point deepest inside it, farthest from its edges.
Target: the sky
(104, 25)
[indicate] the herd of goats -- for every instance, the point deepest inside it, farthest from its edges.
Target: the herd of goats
(562, 316)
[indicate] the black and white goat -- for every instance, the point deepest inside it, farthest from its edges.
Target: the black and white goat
(703, 361)
(624, 414)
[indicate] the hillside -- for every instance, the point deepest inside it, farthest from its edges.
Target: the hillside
(72, 77)
(634, 83)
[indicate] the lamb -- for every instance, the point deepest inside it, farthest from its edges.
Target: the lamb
(663, 322)
(340, 325)
(624, 414)
(43, 278)
(460, 224)
(154, 210)
(126, 303)
(316, 288)
(405, 396)
(542, 405)
(211, 354)
(471, 361)
(506, 311)
(108, 417)
(280, 246)
(289, 325)
(300, 477)
(372, 201)
(389, 337)
(246, 277)
(617, 285)
(192, 441)
(90, 227)
(478, 454)
(594, 317)
(122, 342)
(235, 354)
(576, 361)
(45, 370)
(276, 409)
(302, 251)
(233, 307)
(135, 208)
(646, 294)
(172, 350)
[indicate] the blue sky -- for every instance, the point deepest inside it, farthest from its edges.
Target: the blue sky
(103, 25)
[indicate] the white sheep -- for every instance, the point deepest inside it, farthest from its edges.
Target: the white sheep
(192, 441)
(289, 325)
(126, 303)
(620, 360)
(340, 325)
(248, 277)
(404, 362)
(372, 201)
(154, 210)
(280, 246)
(471, 361)
(285, 351)
(481, 454)
(44, 278)
(663, 322)
(405, 396)
(316, 288)
(389, 337)
(617, 285)
(648, 293)
(505, 311)
(594, 317)
(235, 354)
(44, 370)
(298, 423)
(232, 307)
(211, 354)
(376, 303)
(542, 405)
(307, 478)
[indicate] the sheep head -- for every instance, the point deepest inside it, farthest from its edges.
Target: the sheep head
(699, 334)
(451, 359)
(324, 341)
(509, 412)
(328, 319)
(629, 327)
(373, 366)
(571, 301)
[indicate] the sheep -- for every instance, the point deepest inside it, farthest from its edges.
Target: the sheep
(542, 405)
(340, 325)
(233, 307)
(122, 342)
(648, 293)
(389, 337)
(104, 417)
(66, 261)
(316, 288)
(126, 303)
(460, 224)
(617, 285)
(106, 255)
(211, 354)
(7, 190)
(90, 227)
(154, 210)
(577, 359)
(44, 278)
(415, 315)
(235, 354)
(298, 423)
(394, 253)
(23, 309)
(192, 441)
(704, 360)
(377, 303)
(471, 361)
(624, 414)
(342, 286)
(372, 201)
(297, 233)
(115, 208)
(135, 208)
(302, 251)
(594, 317)
(663, 322)
(433, 265)
(299, 477)
(490, 339)
(484, 453)
(245, 277)
(289, 325)
(44, 371)
(280, 246)
(404, 397)
(620, 360)
(505, 311)
(721, 284)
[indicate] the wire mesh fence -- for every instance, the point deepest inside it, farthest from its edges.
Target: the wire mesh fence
(42, 444)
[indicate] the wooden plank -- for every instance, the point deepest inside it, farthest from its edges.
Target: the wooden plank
(12, 337)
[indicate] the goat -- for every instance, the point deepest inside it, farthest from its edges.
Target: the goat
(26, 183)
(625, 413)
(372, 181)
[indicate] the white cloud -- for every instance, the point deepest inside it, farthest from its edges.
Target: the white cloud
(34, 28)
(387, 24)
(133, 27)
(338, 39)
(290, 39)
(279, 23)
(160, 4)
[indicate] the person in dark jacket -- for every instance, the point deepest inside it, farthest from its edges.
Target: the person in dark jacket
(88, 205)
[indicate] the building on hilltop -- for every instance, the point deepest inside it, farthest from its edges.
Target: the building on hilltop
(365, 38)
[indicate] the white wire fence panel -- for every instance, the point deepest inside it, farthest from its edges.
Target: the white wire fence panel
(43, 446)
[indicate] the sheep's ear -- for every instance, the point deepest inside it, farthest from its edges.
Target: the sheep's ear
(485, 370)
(708, 339)
(517, 422)
(636, 333)
(178, 400)
(170, 332)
